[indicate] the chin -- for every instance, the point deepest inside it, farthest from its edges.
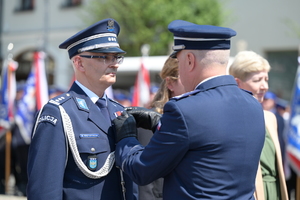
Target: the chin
(260, 99)
(111, 81)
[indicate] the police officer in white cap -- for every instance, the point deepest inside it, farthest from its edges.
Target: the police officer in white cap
(207, 143)
(73, 142)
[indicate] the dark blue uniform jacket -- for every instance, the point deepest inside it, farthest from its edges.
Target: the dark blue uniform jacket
(207, 145)
(53, 174)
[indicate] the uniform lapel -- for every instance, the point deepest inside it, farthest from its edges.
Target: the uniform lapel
(98, 118)
(111, 110)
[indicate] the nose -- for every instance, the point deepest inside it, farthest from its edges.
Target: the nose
(114, 65)
(264, 85)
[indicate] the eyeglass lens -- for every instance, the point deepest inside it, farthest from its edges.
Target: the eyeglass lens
(112, 59)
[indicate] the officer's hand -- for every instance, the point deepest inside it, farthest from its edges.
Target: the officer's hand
(145, 118)
(125, 126)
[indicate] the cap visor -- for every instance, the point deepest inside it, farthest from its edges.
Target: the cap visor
(108, 50)
(174, 54)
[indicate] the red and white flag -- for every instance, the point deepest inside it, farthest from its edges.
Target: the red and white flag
(293, 134)
(141, 92)
(8, 93)
(40, 80)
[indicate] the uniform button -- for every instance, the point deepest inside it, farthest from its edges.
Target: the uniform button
(93, 149)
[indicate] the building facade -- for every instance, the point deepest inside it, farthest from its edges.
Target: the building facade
(268, 28)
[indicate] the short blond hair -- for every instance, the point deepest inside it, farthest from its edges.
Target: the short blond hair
(247, 62)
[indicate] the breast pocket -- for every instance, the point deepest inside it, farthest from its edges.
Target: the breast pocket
(93, 150)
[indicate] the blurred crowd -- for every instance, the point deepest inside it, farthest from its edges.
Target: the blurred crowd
(18, 152)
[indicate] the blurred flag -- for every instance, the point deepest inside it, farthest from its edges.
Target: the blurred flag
(141, 92)
(40, 79)
(26, 108)
(8, 94)
(293, 137)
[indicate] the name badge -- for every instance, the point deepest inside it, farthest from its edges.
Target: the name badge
(89, 135)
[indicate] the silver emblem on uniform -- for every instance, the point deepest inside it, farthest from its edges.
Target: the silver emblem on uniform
(110, 25)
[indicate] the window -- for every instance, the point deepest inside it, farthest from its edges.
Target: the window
(283, 71)
(71, 3)
(25, 5)
(25, 60)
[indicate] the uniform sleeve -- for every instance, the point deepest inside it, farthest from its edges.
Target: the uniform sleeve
(163, 153)
(47, 157)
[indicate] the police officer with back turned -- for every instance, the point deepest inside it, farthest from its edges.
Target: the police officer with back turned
(208, 141)
(73, 142)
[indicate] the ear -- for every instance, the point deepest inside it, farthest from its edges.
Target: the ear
(238, 81)
(78, 64)
(191, 59)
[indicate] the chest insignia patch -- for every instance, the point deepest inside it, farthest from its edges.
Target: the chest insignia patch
(92, 162)
(48, 118)
(82, 103)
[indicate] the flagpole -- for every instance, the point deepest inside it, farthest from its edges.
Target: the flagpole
(8, 137)
(7, 159)
(298, 177)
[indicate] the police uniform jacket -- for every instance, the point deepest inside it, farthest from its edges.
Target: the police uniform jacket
(53, 174)
(207, 145)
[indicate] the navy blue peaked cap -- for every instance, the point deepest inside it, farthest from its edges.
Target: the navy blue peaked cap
(188, 35)
(100, 37)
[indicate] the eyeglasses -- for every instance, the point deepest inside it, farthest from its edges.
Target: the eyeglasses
(108, 59)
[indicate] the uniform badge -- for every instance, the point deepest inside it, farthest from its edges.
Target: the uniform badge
(82, 103)
(48, 118)
(92, 162)
(110, 25)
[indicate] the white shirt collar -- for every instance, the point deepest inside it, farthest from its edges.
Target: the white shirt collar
(94, 98)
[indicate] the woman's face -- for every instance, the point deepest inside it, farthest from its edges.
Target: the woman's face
(176, 87)
(257, 83)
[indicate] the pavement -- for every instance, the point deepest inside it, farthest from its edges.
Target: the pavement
(9, 197)
(11, 190)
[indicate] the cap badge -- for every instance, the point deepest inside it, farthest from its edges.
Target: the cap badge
(110, 25)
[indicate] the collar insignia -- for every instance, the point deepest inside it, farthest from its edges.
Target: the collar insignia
(82, 103)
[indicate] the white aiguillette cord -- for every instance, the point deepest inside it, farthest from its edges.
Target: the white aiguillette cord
(104, 170)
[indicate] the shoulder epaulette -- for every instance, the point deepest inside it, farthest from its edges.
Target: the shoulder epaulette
(186, 95)
(60, 99)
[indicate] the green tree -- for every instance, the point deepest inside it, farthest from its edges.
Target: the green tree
(146, 21)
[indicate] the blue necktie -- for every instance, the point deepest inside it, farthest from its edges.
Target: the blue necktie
(101, 103)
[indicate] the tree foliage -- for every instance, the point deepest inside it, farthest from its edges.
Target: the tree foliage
(146, 21)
